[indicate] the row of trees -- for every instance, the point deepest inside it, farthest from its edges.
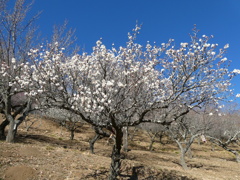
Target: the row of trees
(108, 88)
(220, 127)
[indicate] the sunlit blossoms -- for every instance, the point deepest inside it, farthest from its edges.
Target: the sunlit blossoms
(105, 81)
(110, 88)
(15, 75)
(237, 71)
(126, 82)
(198, 72)
(226, 46)
(118, 87)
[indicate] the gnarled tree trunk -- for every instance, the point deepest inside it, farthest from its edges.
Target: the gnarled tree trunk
(116, 155)
(182, 160)
(2, 129)
(99, 133)
(182, 155)
(13, 126)
(12, 130)
(92, 142)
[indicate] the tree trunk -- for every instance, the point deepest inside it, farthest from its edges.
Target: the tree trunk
(92, 142)
(237, 157)
(12, 130)
(161, 138)
(182, 155)
(189, 153)
(116, 155)
(152, 141)
(151, 145)
(131, 136)
(125, 139)
(72, 134)
(199, 140)
(182, 160)
(2, 129)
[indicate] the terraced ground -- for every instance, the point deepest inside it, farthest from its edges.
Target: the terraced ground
(46, 153)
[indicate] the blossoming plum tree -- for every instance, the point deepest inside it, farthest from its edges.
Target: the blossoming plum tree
(18, 89)
(118, 87)
(108, 88)
(16, 37)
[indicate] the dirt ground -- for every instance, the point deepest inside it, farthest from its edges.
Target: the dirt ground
(46, 153)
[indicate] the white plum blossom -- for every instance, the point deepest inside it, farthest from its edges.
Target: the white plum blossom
(206, 45)
(237, 71)
(98, 43)
(13, 60)
(184, 44)
(213, 53)
(224, 59)
(120, 84)
(220, 107)
(109, 83)
(226, 46)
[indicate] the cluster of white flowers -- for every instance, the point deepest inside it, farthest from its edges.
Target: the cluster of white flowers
(184, 44)
(226, 46)
(133, 76)
(237, 71)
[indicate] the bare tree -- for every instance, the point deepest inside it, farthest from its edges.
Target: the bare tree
(31, 120)
(226, 130)
(154, 131)
(226, 144)
(185, 130)
(65, 118)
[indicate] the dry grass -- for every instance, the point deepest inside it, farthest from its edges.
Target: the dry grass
(45, 152)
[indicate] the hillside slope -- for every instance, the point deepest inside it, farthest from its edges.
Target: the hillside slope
(45, 152)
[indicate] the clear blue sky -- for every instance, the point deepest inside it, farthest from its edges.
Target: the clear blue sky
(161, 19)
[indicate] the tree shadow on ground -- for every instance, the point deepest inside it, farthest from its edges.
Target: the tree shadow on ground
(70, 144)
(141, 172)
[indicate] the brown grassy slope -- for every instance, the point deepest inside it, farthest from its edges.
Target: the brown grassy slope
(44, 152)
